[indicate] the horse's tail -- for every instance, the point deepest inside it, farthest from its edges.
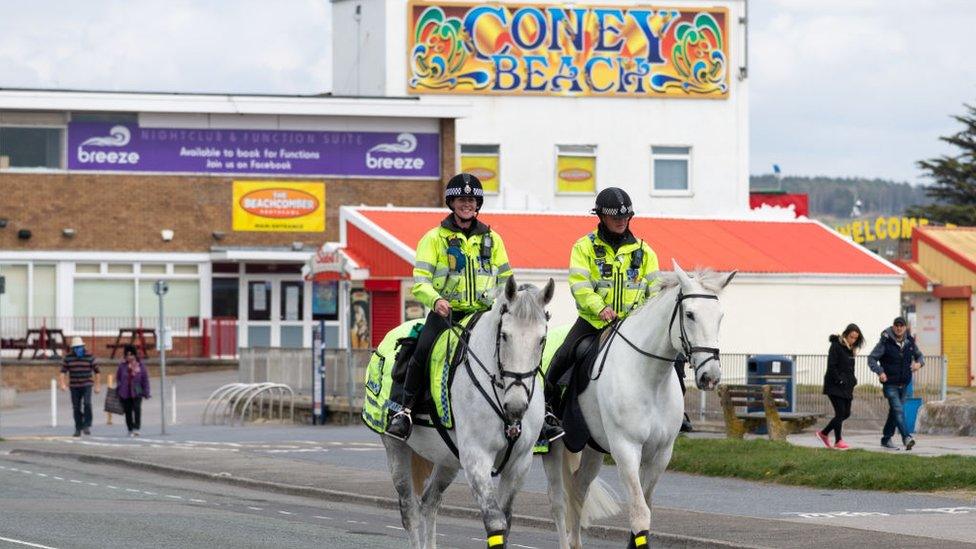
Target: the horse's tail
(420, 470)
(601, 501)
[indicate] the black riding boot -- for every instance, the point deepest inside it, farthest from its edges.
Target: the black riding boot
(401, 422)
(551, 427)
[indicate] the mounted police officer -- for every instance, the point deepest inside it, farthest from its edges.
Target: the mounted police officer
(610, 274)
(459, 265)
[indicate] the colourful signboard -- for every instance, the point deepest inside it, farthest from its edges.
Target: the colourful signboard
(568, 50)
(101, 146)
(575, 174)
(279, 206)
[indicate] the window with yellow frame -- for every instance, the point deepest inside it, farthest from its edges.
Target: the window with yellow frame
(575, 169)
(482, 161)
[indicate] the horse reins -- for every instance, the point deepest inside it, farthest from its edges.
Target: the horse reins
(686, 347)
(513, 430)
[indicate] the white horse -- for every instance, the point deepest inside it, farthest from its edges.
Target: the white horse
(634, 408)
(497, 417)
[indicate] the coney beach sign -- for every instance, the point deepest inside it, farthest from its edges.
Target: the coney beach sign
(567, 50)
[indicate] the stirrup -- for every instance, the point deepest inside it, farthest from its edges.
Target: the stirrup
(552, 429)
(404, 413)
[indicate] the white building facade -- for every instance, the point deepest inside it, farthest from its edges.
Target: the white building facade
(658, 104)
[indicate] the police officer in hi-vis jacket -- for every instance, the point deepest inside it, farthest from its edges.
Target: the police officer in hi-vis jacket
(610, 273)
(459, 265)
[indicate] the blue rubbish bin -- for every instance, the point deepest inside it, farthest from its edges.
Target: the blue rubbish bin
(912, 406)
(772, 370)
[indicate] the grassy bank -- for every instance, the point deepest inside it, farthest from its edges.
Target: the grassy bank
(784, 463)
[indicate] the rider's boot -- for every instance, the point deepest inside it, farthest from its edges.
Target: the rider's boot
(686, 425)
(552, 429)
(401, 423)
(639, 540)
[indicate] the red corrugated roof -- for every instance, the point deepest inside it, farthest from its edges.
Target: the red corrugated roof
(544, 241)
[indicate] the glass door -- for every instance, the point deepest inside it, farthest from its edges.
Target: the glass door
(260, 300)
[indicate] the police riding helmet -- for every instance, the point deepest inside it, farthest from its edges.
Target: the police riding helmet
(615, 202)
(464, 184)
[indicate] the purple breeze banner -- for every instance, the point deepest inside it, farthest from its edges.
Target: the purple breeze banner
(104, 146)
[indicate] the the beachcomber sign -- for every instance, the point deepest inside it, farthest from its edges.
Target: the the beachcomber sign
(279, 206)
(99, 146)
(568, 50)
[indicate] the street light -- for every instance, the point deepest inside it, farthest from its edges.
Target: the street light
(160, 288)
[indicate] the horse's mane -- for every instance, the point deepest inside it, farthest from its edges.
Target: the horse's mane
(526, 304)
(709, 279)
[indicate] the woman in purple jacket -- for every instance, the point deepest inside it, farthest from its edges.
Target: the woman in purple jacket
(132, 386)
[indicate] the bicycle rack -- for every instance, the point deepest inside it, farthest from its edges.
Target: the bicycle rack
(235, 401)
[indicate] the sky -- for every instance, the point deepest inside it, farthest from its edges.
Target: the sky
(836, 87)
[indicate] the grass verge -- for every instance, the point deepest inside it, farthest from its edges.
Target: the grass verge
(783, 463)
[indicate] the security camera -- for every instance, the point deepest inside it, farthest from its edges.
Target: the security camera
(167, 234)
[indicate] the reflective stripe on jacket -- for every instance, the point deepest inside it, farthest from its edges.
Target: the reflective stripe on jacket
(450, 265)
(600, 277)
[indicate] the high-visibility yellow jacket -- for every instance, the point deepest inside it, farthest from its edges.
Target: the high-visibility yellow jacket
(464, 270)
(600, 277)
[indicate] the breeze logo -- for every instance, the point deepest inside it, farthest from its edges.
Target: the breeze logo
(118, 136)
(406, 144)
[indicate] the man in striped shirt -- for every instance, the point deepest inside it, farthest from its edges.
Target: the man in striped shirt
(80, 372)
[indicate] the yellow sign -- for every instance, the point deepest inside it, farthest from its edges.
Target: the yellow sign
(484, 167)
(279, 206)
(575, 174)
(567, 49)
(881, 228)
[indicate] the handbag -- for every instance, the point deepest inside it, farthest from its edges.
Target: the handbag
(112, 403)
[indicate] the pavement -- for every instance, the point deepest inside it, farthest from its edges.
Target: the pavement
(347, 465)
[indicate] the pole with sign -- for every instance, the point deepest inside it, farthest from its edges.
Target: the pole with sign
(160, 288)
(318, 374)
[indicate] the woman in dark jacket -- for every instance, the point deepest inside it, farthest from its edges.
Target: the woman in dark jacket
(132, 386)
(839, 382)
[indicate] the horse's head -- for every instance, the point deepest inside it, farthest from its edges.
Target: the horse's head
(521, 336)
(697, 320)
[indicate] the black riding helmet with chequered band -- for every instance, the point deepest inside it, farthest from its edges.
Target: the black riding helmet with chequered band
(464, 184)
(615, 202)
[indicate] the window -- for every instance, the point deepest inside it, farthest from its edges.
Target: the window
(481, 161)
(575, 169)
(87, 268)
(184, 269)
(224, 295)
(152, 268)
(671, 170)
(181, 301)
(104, 298)
(119, 268)
(291, 300)
(30, 147)
(44, 290)
(13, 303)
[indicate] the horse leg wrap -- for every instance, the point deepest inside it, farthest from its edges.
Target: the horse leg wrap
(638, 540)
(496, 540)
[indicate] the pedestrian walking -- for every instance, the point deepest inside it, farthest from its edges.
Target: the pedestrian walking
(839, 382)
(894, 359)
(132, 387)
(79, 372)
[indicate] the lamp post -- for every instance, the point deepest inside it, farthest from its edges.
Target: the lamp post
(160, 288)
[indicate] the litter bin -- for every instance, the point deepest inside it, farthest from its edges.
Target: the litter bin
(912, 406)
(772, 370)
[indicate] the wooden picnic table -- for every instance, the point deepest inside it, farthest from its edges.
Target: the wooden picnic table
(44, 339)
(137, 337)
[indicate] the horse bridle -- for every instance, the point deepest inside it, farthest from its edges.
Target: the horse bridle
(686, 347)
(513, 429)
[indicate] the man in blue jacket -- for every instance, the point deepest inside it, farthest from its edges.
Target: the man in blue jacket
(894, 359)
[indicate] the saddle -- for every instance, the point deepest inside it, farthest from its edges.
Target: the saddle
(584, 355)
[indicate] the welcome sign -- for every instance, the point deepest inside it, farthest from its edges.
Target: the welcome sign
(567, 50)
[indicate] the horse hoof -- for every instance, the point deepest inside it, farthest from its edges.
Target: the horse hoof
(496, 540)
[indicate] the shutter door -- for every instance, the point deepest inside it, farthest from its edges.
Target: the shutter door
(386, 313)
(955, 340)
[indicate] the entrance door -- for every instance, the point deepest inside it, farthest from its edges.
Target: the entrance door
(275, 307)
(955, 340)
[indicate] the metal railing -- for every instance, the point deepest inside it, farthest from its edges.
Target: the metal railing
(869, 408)
(345, 372)
(237, 402)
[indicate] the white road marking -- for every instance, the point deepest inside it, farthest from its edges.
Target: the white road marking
(174, 497)
(41, 475)
(834, 514)
(944, 510)
(524, 546)
(75, 481)
(92, 483)
(27, 543)
(132, 490)
(194, 500)
(323, 518)
(255, 508)
(150, 493)
(391, 527)
(58, 478)
(110, 487)
(285, 513)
